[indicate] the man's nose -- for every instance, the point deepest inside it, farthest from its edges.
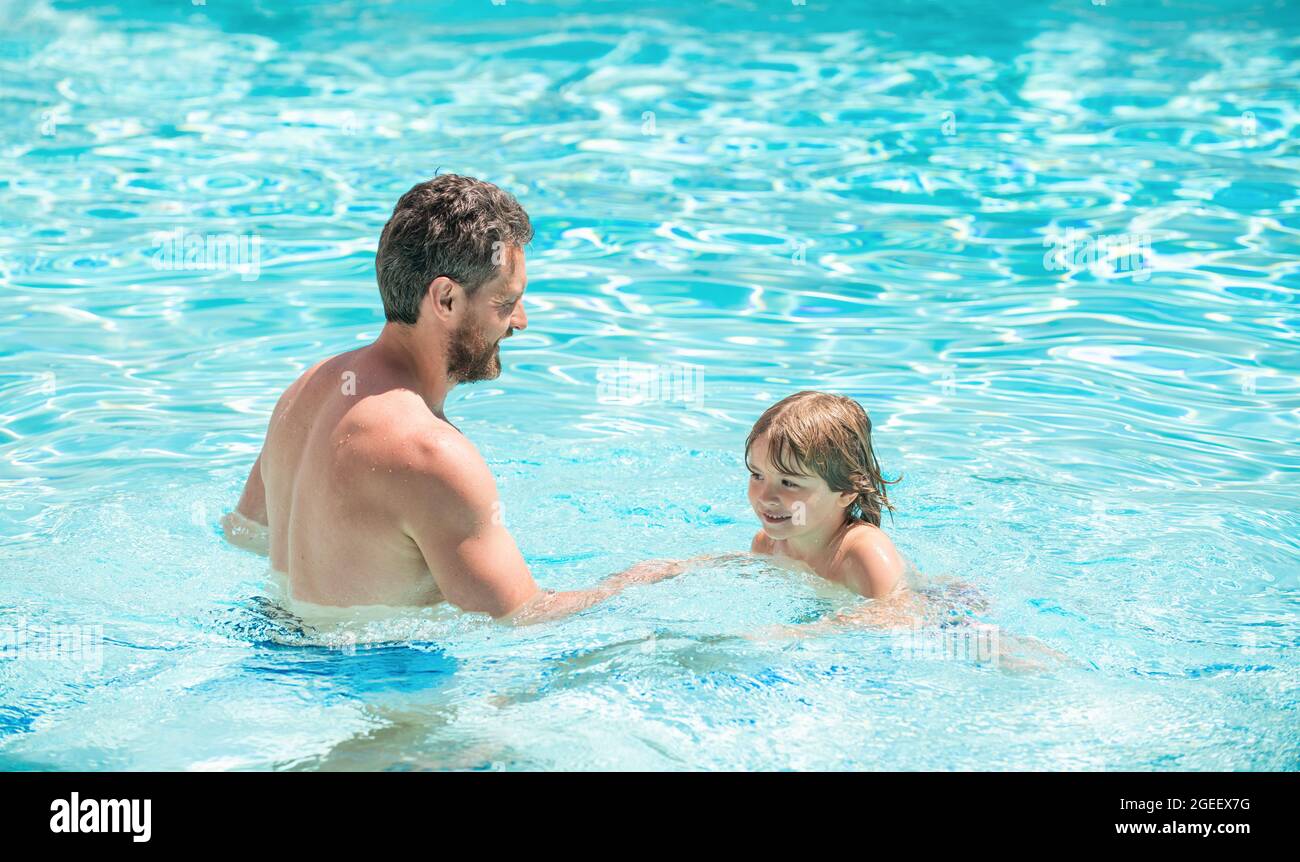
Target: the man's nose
(519, 320)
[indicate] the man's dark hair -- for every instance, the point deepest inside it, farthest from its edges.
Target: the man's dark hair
(451, 225)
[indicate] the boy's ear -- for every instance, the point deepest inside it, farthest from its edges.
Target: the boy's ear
(847, 498)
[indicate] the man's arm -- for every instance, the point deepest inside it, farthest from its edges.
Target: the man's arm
(252, 503)
(455, 518)
(246, 526)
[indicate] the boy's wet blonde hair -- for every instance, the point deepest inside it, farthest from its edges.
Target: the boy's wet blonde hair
(830, 435)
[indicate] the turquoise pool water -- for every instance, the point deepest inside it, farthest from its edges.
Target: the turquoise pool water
(755, 197)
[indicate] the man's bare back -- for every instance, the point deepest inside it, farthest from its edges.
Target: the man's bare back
(337, 453)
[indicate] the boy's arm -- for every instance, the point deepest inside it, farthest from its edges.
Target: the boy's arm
(872, 568)
(897, 610)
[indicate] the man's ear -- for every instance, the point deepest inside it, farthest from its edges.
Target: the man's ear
(444, 297)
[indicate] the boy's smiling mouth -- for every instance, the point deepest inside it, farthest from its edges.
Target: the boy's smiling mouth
(773, 519)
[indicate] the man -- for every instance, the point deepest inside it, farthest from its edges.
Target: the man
(364, 493)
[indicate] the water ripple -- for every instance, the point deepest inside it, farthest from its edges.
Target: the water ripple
(1100, 441)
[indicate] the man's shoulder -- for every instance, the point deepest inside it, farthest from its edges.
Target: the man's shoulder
(439, 451)
(436, 480)
(420, 450)
(294, 389)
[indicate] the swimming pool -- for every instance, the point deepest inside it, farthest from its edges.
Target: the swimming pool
(903, 202)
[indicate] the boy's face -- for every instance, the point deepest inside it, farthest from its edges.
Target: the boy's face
(789, 505)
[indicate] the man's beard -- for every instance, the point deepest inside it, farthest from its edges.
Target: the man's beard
(470, 357)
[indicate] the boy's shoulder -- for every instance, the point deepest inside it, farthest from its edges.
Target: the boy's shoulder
(862, 533)
(762, 543)
(869, 560)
